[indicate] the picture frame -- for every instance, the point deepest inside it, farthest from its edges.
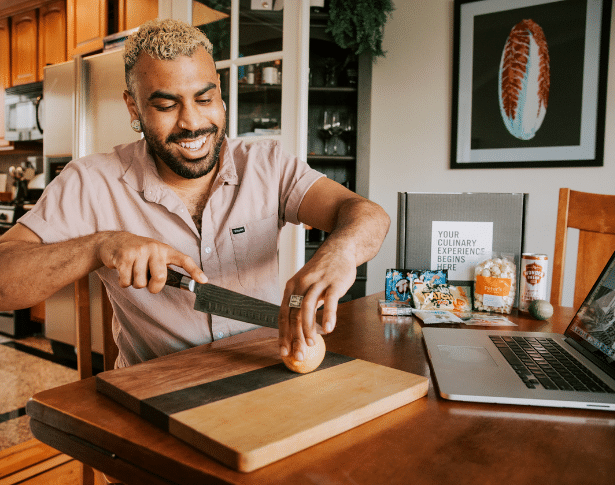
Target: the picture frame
(529, 83)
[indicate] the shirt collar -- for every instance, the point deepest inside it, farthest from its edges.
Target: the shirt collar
(142, 175)
(228, 170)
(140, 171)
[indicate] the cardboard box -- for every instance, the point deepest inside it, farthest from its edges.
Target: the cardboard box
(456, 231)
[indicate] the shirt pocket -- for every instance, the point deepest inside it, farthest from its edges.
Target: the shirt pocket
(255, 245)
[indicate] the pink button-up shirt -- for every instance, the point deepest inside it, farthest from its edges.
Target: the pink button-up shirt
(257, 190)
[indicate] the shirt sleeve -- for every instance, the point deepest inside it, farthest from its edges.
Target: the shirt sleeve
(296, 178)
(66, 209)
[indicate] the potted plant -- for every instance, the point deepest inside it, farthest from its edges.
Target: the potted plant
(358, 25)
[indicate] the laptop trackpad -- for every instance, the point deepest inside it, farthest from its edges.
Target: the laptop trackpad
(466, 355)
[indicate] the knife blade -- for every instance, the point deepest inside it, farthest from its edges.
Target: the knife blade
(219, 301)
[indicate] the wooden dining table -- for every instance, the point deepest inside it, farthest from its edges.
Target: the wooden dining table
(429, 441)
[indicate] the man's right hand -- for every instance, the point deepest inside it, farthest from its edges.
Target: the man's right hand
(32, 271)
(142, 262)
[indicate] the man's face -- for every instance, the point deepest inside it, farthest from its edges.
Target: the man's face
(181, 111)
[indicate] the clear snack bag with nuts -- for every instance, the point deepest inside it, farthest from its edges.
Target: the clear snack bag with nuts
(494, 284)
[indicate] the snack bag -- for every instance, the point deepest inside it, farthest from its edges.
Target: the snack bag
(398, 285)
(437, 316)
(437, 277)
(461, 301)
(423, 286)
(494, 284)
(432, 297)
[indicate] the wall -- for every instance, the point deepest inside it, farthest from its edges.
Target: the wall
(409, 138)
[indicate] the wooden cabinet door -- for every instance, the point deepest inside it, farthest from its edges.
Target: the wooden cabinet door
(24, 43)
(37, 313)
(52, 34)
(5, 59)
(133, 13)
(86, 22)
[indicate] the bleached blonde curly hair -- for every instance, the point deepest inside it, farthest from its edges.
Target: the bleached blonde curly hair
(162, 39)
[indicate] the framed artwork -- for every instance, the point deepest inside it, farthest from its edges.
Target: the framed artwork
(529, 83)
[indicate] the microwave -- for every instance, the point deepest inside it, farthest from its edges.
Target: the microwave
(23, 112)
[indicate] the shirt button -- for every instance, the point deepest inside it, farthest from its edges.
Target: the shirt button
(208, 250)
(220, 334)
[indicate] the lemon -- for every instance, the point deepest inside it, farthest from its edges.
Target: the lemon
(541, 309)
(313, 357)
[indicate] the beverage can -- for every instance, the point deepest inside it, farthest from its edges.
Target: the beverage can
(533, 279)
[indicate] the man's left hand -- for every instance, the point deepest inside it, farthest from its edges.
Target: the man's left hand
(323, 280)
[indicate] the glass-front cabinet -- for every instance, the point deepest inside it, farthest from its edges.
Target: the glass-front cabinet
(247, 38)
(283, 77)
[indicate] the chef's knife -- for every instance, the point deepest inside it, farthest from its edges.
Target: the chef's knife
(226, 303)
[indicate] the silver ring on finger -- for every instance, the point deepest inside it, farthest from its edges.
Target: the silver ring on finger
(295, 301)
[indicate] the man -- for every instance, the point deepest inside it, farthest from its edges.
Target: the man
(186, 196)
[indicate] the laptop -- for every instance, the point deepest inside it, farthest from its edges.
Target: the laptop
(531, 368)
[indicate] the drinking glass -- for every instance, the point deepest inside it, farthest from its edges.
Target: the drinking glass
(349, 134)
(336, 128)
(324, 130)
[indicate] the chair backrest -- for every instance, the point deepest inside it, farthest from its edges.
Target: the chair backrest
(84, 331)
(91, 476)
(594, 216)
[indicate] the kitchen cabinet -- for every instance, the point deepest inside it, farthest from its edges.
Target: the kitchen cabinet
(5, 70)
(35, 39)
(52, 38)
(24, 47)
(37, 313)
(332, 123)
(86, 25)
(90, 21)
(133, 13)
(249, 61)
(5, 57)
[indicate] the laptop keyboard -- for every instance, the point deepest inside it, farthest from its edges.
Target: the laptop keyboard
(540, 360)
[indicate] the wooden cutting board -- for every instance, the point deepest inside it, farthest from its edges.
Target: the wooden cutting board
(240, 405)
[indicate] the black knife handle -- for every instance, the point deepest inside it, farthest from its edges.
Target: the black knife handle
(174, 278)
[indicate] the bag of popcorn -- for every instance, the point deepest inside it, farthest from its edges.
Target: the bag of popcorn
(494, 284)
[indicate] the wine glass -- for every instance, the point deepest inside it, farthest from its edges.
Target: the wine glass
(324, 130)
(335, 129)
(349, 134)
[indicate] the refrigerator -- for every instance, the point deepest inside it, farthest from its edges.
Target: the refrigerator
(84, 113)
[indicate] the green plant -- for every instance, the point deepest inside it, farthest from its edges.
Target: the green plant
(358, 25)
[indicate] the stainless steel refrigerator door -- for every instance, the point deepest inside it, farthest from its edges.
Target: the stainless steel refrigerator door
(106, 122)
(59, 119)
(86, 114)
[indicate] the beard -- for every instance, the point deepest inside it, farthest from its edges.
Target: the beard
(186, 168)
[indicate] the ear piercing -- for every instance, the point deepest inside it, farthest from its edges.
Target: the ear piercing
(136, 125)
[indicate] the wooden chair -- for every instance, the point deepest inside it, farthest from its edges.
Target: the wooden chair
(594, 216)
(84, 331)
(83, 346)
(35, 462)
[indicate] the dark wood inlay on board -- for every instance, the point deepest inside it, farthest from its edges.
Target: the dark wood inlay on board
(158, 409)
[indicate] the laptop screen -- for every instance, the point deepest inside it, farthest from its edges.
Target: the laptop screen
(593, 327)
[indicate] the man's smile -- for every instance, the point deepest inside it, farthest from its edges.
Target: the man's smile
(193, 144)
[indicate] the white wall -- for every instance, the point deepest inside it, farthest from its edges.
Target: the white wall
(409, 145)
